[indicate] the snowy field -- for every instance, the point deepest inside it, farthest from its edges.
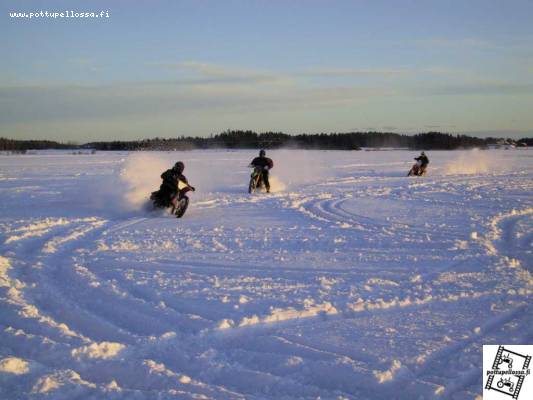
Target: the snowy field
(349, 281)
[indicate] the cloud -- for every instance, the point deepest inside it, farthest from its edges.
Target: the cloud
(516, 49)
(208, 69)
(40, 103)
(347, 72)
(85, 64)
(204, 96)
(199, 72)
(148, 109)
(193, 72)
(463, 43)
(478, 88)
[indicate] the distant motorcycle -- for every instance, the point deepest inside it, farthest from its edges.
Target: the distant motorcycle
(256, 179)
(178, 204)
(417, 169)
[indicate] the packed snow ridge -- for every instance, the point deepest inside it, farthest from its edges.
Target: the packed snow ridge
(348, 281)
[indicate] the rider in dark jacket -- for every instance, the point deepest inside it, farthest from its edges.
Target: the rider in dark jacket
(424, 160)
(169, 188)
(266, 164)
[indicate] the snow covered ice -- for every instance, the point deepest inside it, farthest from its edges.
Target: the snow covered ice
(349, 281)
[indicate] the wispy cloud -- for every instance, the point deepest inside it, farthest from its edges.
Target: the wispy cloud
(24, 103)
(216, 91)
(198, 73)
(519, 48)
(347, 72)
(464, 43)
(478, 88)
(85, 63)
(65, 102)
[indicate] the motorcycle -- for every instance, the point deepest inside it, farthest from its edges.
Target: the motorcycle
(256, 179)
(417, 169)
(178, 204)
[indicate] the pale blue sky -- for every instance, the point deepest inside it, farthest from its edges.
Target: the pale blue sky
(167, 68)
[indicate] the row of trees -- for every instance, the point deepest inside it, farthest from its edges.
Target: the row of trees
(233, 139)
(22, 145)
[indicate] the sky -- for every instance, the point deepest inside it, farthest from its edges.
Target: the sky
(170, 68)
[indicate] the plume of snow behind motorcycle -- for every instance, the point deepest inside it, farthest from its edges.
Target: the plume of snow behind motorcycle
(178, 203)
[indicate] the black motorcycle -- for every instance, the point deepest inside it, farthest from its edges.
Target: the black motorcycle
(178, 203)
(417, 169)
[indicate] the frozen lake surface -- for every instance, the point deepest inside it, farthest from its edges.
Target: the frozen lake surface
(349, 281)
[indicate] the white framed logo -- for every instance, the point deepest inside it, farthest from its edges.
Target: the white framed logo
(506, 372)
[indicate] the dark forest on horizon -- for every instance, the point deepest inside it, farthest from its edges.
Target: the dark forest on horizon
(236, 139)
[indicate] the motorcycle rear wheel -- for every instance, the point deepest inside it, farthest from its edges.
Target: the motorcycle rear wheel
(181, 206)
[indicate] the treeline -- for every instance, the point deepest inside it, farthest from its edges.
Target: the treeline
(233, 139)
(23, 145)
(525, 142)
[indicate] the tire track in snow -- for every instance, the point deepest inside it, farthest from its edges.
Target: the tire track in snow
(127, 311)
(26, 252)
(500, 238)
(448, 354)
(325, 208)
(328, 209)
(123, 225)
(57, 255)
(59, 258)
(328, 312)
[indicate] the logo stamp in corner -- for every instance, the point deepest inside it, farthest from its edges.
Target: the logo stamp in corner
(506, 372)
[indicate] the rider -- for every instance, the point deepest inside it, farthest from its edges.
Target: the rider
(266, 164)
(422, 161)
(169, 188)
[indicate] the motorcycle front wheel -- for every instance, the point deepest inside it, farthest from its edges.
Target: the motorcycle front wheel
(252, 186)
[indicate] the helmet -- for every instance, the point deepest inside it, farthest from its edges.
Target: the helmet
(262, 153)
(179, 166)
(422, 154)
